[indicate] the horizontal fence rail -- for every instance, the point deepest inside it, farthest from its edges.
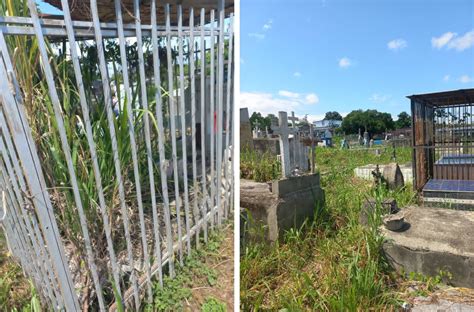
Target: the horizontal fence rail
(116, 148)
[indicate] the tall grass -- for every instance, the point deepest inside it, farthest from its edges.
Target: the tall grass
(259, 167)
(333, 263)
(40, 114)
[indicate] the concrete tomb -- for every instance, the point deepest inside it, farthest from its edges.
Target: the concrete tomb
(282, 204)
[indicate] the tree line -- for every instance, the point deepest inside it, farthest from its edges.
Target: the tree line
(371, 120)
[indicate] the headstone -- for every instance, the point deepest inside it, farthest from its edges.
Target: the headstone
(283, 132)
(371, 142)
(295, 150)
(393, 176)
(366, 139)
(311, 133)
(360, 138)
(344, 144)
(245, 129)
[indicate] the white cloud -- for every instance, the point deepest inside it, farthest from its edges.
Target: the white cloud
(267, 103)
(465, 79)
(462, 43)
(312, 98)
(446, 78)
(288, 94)
(379, 98)
(267, 25)
(441, 41)
(257, 36)
(397, 44)
(297, 74)
(453, 41)
(345, 62)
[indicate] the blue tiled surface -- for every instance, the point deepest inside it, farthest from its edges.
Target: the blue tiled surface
(464, 159)
(449, 185)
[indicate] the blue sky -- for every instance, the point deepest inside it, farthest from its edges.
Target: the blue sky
(325, 55)
(47, 8)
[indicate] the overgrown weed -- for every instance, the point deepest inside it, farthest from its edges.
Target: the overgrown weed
(332, 263)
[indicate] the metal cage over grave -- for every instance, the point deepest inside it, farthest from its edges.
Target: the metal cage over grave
(443, 140)
(116, 143)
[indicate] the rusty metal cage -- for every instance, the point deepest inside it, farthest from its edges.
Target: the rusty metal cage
(443, 136)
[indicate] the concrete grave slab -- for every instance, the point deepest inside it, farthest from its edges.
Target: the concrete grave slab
(281, 204)
(436, 239)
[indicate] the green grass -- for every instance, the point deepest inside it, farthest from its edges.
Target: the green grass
(333, 263)
(213, 305)
(175, 291)
(258, 167)
(16, 292)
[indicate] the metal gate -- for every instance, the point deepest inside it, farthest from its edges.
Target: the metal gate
(453, 142)
(116, 146)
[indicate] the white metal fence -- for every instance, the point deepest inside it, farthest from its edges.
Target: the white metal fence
(106, 181)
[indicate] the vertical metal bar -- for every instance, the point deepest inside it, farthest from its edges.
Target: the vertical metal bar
(32, 263)
(19, 186)
(27, 260)
(90, 141)
(212, 119)
(192, 72)
(66, 149)
(144, 103)
(161, 139)
(110, 120)
(16, 117)
(172, 107)
(228, 113)
(156, 229)
(220, 107)
(203, 123)
(183, 126)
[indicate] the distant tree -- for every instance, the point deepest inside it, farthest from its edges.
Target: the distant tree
(403, 121)
(257, 118)
(374, 121)
(272, 119)
(332, 116)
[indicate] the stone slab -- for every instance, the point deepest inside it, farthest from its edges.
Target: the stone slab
(437, 239)
(365, 172)
(282, 204)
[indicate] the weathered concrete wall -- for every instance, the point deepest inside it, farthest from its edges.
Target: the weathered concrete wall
(365, 172)
(265, 145)
(437, 239)
(282, 204)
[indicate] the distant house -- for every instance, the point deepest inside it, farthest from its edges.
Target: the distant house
(322, 127)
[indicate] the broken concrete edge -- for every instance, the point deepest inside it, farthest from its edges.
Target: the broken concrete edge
(281, 205)
(292, 184)
(438, 240)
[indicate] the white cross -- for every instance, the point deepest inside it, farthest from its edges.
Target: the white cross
(293, 119)
(296, 144)
(283, 131)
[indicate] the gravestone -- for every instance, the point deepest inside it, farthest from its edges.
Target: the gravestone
(366, 139)
(245, 130)
(280, 205)
(283, 132)
(393, 176)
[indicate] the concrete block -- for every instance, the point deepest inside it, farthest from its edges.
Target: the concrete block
(282, 204)
(437, 239)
